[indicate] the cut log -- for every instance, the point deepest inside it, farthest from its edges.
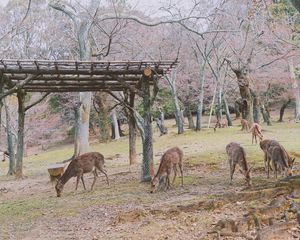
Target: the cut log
(55, 171)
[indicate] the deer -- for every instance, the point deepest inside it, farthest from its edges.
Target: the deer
(256, 132)
(268, 143)
(245, 125)
(221, 123)
(280, 159)
(169, 160)
(237, 156)
(85, 163)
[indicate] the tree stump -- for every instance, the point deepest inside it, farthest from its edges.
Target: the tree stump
(55, 171)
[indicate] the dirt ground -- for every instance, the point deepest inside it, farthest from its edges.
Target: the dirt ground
(206, 207)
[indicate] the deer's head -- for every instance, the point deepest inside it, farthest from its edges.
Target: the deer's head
(247, 175)
(59, 187)
(291, 162)
(154, 184)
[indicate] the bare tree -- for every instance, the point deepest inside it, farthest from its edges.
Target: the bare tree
(82, 27)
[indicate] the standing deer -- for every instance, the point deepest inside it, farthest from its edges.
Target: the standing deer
(256, 132)
(169, 160)
(85, 163)
(237, 156)
(245, 125)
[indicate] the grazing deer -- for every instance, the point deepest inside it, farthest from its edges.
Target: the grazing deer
(266, 146)
(279, 158)
(169, 160)
(263, 145)
(85, 163)
(236, 155)
(256, 132)
(245, 125)
(221, 123)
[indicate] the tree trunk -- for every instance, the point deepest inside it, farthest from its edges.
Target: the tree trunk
(190, 116)
(229, 121)
(237, 108)
(247, 101)
(282, 109)
(147, 168)
(115, 124)
(164, 130)
(296, 89)
(211, 107)
(266, 115)
(200, 99)
(84, 117)
(10, 142)
(76, 129)
(132, 131)
(256, 108)
(21, 125)
(103, 117)
(82, 25)
(172, 83)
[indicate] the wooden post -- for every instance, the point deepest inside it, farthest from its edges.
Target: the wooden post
(21, 124)
(147, 167)
(132, 131)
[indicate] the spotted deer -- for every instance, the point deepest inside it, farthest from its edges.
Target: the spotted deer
(169, 160)
(237, 156)
(85, 163)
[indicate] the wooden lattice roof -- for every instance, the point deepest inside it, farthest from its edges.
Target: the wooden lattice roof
(78, 76)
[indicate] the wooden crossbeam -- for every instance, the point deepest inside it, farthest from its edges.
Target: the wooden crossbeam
(73, 75)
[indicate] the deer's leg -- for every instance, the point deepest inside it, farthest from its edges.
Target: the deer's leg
(83, 182)
(104, 172)
(95, 178)
(265, 161)
(181, 172)
(232, 169)
(269, 160)
(79, 175)
(175, 173)
(168, 178)
(275, 169)
(252, 137)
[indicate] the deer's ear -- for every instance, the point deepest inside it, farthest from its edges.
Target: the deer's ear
(293, 160)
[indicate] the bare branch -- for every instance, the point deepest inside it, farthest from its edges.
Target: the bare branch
(16, 87)
(65, 8)
(37, 101)
(20, 23)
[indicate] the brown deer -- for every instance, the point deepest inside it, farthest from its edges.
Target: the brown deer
(85, 163)
(237, 156)
(221, 123)
(169, 160)
(279, 158)
(267, 146)
(245, 125)
(256, 132)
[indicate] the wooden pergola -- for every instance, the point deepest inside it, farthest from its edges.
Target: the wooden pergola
(79, 76)
(136, 77)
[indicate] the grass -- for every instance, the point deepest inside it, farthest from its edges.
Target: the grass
(204, 148)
